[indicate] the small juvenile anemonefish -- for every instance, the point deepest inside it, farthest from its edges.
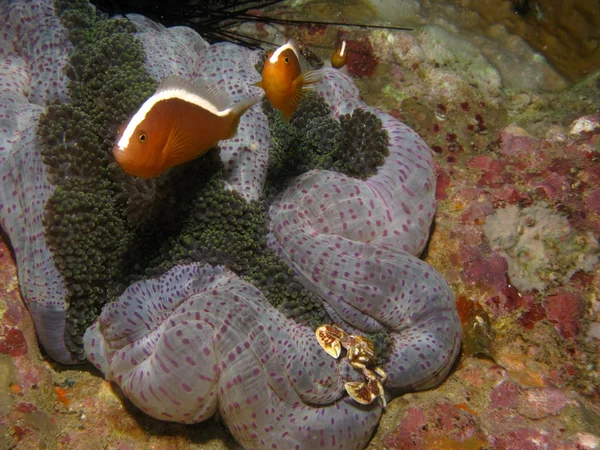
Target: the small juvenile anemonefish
(180, 122)
(339, 55)
(286, 77)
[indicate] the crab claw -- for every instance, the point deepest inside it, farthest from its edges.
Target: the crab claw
(379, 371)
(329, 336)
(366, 392)
(359, 391)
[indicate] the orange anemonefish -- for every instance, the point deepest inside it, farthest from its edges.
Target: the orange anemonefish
(286, 77)
(180, 122)
(339, 55)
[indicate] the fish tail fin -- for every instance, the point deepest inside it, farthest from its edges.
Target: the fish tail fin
(237, 110)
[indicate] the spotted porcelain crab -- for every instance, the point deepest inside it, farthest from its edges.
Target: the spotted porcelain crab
(361, 355)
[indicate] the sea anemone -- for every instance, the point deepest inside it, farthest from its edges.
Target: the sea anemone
(199, 281)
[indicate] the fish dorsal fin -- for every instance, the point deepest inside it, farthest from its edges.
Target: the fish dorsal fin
(304, 66)
(206, 90)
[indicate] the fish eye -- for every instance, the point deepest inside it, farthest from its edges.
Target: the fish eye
(286, 60)
(142, 137)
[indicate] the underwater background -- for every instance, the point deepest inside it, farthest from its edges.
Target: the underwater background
(504, 93)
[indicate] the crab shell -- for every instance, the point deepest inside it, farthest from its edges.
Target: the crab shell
(361, 351)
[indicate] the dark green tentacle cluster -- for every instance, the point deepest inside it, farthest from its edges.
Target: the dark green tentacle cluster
(312, 139)
(308, 141)
(85, 227)
(218, 226)
(107, 66)
(364, 145)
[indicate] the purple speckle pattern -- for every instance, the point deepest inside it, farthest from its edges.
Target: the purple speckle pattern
(336, 86)
(245, 155)
(169, 51)
(352, 243)
(199, 339)
(33, 53)
(32, 31)
(181, 51)
(393, 208)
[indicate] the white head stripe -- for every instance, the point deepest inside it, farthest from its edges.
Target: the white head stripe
(184, 95)
(275, 56)
(343, 48)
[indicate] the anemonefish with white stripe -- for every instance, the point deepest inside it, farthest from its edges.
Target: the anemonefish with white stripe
(180, 122)
(286, 77)
(339, 56)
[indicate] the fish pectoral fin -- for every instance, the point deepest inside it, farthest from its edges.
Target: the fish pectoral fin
(304, 84)
(299, 90)
(284, 117)
(258, 84)
(311, 77)
(180, 147)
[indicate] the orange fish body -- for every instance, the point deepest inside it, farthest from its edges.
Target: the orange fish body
(286, 78)
(339, 56)
(180, 122)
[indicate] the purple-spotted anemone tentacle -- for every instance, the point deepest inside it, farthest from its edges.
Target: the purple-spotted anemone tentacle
(336, 86)
(351, 242)
(200, 338)
(245, 155)
(33, 54)
(169, 51)
(398, 202)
